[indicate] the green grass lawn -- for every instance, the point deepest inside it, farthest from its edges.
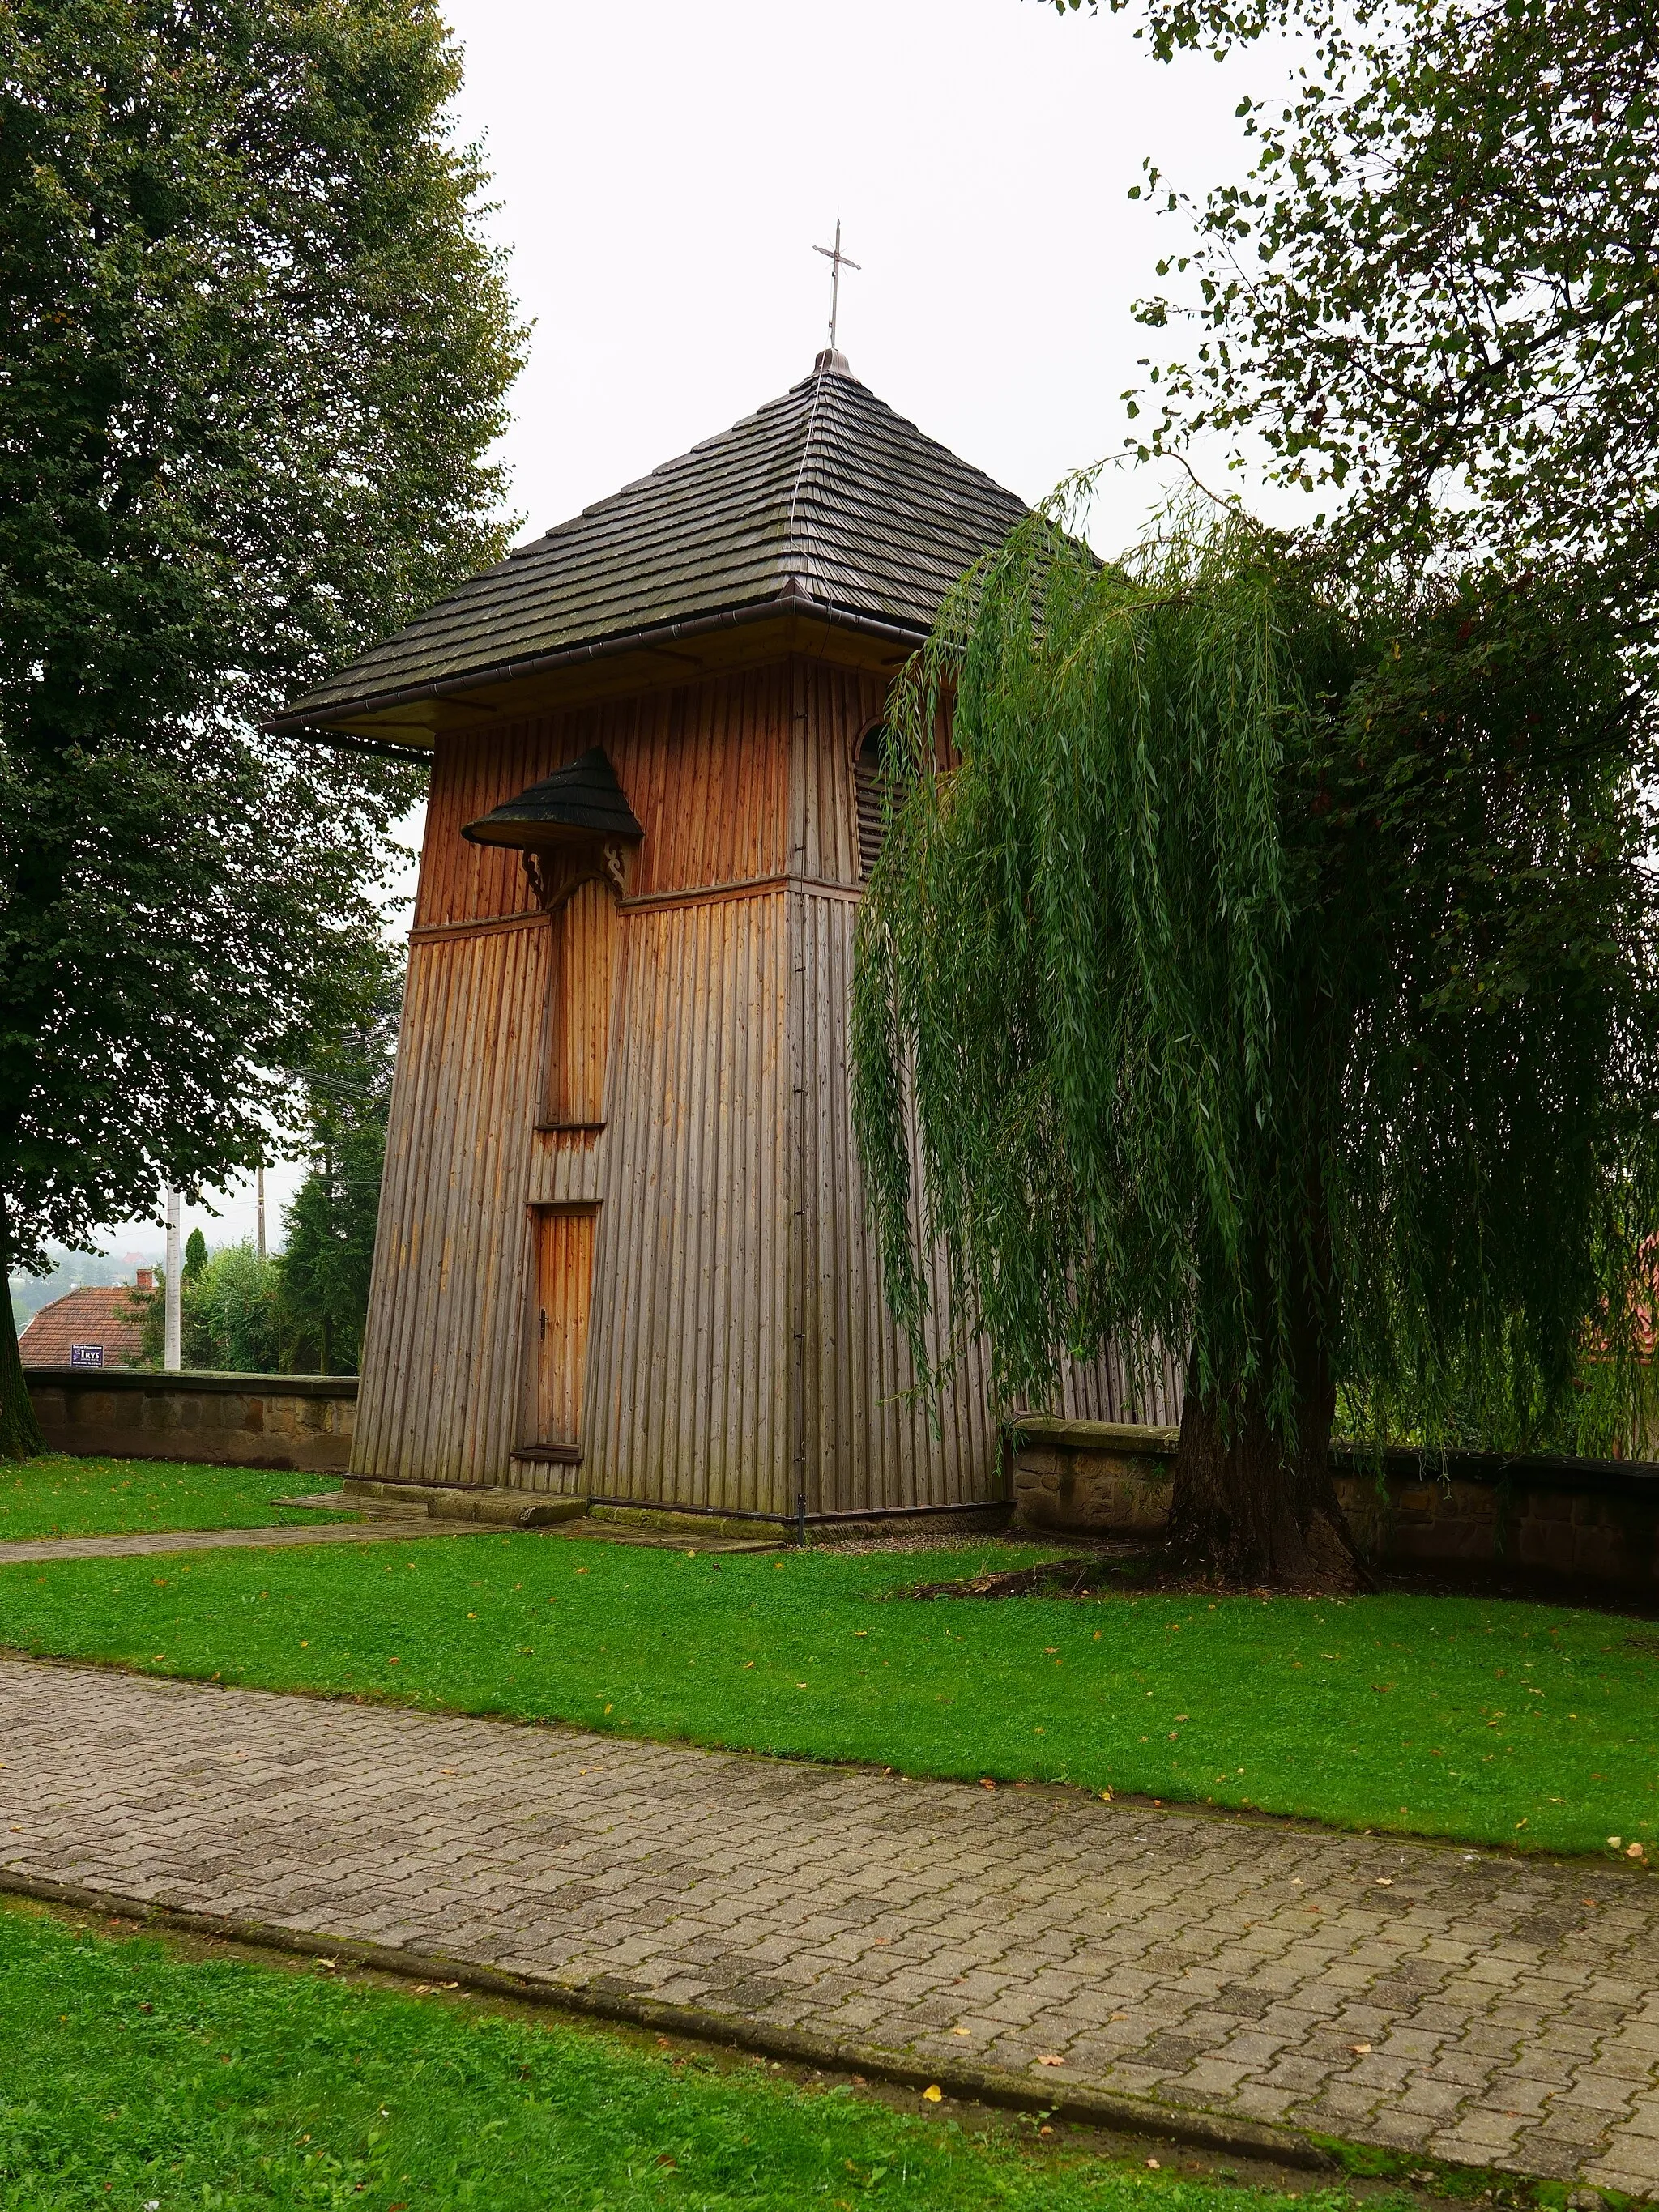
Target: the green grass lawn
(1524, 1725)
(61, 1496)
(132, 2077)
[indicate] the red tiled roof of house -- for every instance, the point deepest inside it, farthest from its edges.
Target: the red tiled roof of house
(101, 1314)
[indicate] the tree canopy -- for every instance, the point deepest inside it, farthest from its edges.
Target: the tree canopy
(255, 354)
(1271, 970)
(227, 1319)
(1433, 301)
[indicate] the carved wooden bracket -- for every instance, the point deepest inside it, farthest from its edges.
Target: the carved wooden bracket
(553, 875)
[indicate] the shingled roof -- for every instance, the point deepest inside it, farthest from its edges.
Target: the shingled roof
(824, 498)
(584, 798)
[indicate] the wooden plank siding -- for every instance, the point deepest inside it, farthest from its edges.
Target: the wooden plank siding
(1102, 1390)
(441, 1387)
(586, 941)
(686, 1364)
(735, 1350)
(703, 767)
(687, 1400)
(871, 1443)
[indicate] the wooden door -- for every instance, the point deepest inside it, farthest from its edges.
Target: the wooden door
(564, 1289)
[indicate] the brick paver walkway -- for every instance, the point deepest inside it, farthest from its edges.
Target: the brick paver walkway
(1468, 2006)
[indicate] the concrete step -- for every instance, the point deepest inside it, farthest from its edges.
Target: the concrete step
(375, 1509)
(504, 1508)
(520, 1509)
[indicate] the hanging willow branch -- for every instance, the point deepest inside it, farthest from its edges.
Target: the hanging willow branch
(1268, 973)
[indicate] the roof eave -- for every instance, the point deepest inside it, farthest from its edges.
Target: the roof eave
(315, 721)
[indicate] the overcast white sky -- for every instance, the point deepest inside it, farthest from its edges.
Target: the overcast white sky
(664, 170)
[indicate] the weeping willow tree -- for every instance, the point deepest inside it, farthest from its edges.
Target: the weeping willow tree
(1269, 971)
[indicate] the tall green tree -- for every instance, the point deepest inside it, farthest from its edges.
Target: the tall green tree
(254, 356)
(1275, 976)
(1432, 303)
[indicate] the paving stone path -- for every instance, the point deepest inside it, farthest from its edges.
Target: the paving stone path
(144, 1541)
(1477, 2009)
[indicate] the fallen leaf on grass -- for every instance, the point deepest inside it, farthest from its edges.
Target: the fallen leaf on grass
(933, 2093)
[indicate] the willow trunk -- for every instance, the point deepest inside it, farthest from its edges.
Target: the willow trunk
(1252, 1502)
(1253, 1507)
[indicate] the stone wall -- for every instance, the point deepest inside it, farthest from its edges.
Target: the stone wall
(301, 1422)
(1590, 1524)
(1091, 1477)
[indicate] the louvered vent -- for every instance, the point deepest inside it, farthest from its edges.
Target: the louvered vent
(875, 797)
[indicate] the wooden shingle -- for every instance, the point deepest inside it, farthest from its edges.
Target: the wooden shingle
(824, 498)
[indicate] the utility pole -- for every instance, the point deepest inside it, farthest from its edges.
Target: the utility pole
(259, 1187)
(170, 1354)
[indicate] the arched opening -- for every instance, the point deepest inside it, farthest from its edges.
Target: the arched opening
(878, 774)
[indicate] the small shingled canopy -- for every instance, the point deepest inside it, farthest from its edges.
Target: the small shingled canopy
(581, 801)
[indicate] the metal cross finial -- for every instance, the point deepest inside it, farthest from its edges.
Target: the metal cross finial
(837, 261)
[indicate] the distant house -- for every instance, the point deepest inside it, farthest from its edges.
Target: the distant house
(100, 1326)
